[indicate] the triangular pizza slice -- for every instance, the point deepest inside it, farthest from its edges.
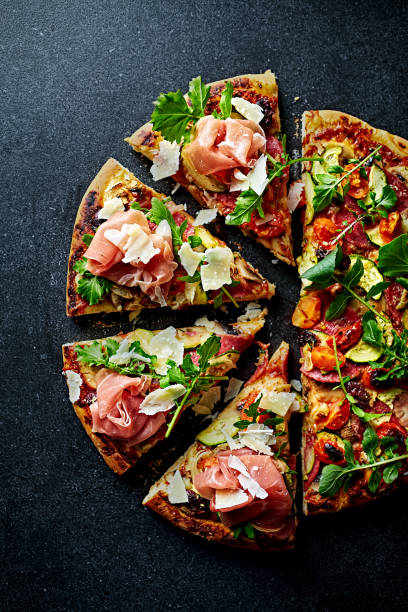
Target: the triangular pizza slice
(236, 484)
(353, 311)
(222, 142)
(129, 390)
(132, 248)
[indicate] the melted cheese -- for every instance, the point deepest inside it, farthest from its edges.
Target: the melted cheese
(190, 260)
(176, 492)
(250, 111)
(217, 272)
(161, 400)
(74, 382)
(166, 161)
(111, 207)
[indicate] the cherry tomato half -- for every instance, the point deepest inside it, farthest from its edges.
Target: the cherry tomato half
(307, 312)
(324, 230)
(328, 451)
(348, 336)
(323, 357)
(358, 184)
(392, 429)
(339, 416)
(390, 226)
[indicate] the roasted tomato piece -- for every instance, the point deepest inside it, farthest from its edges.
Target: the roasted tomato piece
(358, 184)
(307, 312)
(390, 227)
(393, 430)
(328, 449)
(273, 227)
(324, 230)
(370, 379)
(347, 336)
(339, 416)
(323, 357)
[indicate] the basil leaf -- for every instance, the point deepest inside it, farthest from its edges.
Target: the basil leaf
(338, 306)
(194, 241)
(387, 199)
(393, 257)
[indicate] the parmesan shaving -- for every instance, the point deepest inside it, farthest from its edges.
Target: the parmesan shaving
(228, 498)
(161, 400)
(74, 382)
(111, 207)
(190, 259)
(165, 346)
(176, 492)
(234, 387)
(205, 216)
(252, 311)
(123, 355)
(278, 403)
(166, 160)
(217, 272)
(247, 109)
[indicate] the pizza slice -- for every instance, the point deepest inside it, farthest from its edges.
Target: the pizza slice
(353, 311)
(222, 142)
(132, 248)
(236, 483)
(129, 390)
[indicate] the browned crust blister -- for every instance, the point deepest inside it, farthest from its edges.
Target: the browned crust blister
(116, 179)
(314, 138)
(146, 141)
(213, 530)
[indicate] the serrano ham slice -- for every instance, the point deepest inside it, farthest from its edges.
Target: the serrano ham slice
(107, 250)
(116, 411)
(225, 144)
(272, 509)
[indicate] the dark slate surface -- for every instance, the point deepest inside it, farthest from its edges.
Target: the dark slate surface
(77, 77)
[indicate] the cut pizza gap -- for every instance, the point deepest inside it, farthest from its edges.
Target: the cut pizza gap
(133, 248)
(222, 142)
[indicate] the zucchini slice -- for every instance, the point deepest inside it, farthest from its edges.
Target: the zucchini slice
(372, 276)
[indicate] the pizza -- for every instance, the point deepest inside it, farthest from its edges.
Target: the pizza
(133, 248)
(222, 142)
(129, 390)
(353, 311)
(236, 483)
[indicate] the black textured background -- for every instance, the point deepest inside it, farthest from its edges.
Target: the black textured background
(77, 77)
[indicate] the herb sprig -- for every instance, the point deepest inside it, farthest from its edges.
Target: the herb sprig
(334, 477)
(92, 288)
(249, 201)
(253, 413)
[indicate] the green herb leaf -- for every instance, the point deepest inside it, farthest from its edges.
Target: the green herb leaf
(332, 479)
(194, 241)
(191, 279)
(249, 531)
(160, 212)
(247, 202)
(402, 281)
(354, 274)
(87, 238)
(372, 334)
(80, 266)
(237, 532)
(208, 350)
(374, 481)
(387, 199)
(111, 345)
(391, 472)
(172, 115)
(338, 306)
(321, 274)
(370, 443)
(93, 288)
(92, 354)
(393, 257)
(198, 93)
(377, 289)
(225, 101)
(349, 453)
(218, 300)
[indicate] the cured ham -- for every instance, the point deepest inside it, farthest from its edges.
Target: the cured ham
(225, 144)
(268, 501)
(113, 254)
(116, 411)
(349, 369)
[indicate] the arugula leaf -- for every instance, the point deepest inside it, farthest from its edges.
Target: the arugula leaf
(191, 279)
(249, 531)
(391, 472)
(189, 367)
(92, 353)
(87, 238)
(372, 334)
(377, 289)
(332, 479)
(349, 453)
(194, 241)
(111, 345)
(387, 198)
(402, 281)
(374, 481)
(218, 300)
(321, 274)
(337, 306)
(393, 257)
(198, 93)
(354, 274)
(158, 212)
(225, 102)
(237, 532)
(370, 443)
(137, 206)
(93, 288)
(207, 350)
